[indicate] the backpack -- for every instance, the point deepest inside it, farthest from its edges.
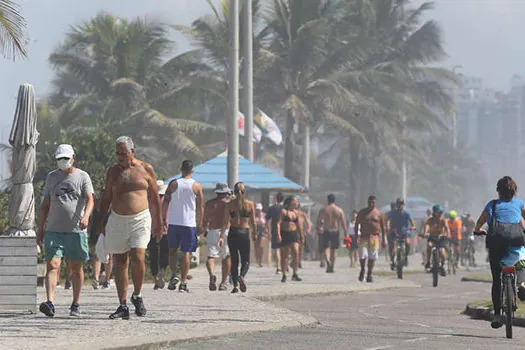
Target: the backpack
(503, 235)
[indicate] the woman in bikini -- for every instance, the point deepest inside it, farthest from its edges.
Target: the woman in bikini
(239, 215)
(290, 236)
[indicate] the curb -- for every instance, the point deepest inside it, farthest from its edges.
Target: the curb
(283, 297)
(485, 313)
(165, 343)
(477, 280)
(303, 320)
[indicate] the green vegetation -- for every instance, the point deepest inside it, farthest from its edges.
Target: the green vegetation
(520, 312)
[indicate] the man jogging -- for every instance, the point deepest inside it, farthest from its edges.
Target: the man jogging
(67, 206)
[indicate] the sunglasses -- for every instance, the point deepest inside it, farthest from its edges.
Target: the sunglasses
(64, 158)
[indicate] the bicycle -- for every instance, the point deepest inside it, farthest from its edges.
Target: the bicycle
(508, 295)
(400, 255)
(451, 258)
(468, 255)
(435, 264)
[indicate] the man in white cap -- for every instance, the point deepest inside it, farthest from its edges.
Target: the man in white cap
(213, 217)
(159, 254)
(67, 206)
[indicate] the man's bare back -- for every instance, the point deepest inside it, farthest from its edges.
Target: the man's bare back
(371, 221)
(332, 216)
(129, 187)
(214, 213)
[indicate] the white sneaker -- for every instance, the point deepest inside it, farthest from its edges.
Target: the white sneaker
(95, 284)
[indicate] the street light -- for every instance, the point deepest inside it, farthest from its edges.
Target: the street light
(233, 96)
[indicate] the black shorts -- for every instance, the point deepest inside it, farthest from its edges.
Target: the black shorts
(275, 244)
(288, 238)
(454, 242)
(441, 242)
(331, 239)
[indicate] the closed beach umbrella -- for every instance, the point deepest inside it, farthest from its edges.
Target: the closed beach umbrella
(23, 139)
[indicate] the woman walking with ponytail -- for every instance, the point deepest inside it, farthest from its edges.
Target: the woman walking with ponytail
(240, 216)
(290, 235)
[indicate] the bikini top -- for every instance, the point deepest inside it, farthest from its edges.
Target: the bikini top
(243, 213)
(288, 219)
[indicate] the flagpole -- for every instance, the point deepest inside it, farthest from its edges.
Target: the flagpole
(233, 94)
(248, 79)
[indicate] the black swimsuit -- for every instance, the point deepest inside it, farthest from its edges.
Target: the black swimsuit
(289, 237)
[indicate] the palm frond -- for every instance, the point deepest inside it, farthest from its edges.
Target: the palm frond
(13, 41)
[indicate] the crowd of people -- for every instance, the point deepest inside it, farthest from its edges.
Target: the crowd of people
(136, 212)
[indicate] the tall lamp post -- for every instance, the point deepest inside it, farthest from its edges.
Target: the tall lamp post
(248, 78)
(233, 96)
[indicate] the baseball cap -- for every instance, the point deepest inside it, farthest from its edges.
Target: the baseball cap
(64, 151)
(162, 187)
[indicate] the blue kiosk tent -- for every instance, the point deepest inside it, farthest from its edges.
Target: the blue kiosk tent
(257, 178)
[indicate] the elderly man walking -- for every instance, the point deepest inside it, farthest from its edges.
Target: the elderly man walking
(132, 194)
(213, 221)
(67, 206)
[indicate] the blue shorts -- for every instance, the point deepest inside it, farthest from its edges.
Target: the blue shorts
(183, 237)
(69, 245)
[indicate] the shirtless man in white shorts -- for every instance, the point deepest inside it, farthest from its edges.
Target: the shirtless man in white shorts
(213, 217)
(132, 194)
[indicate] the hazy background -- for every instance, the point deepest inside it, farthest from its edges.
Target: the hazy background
(484, 36)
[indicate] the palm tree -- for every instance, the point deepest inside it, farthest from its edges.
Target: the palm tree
(12, 30)
(299, 73)
(112, 75)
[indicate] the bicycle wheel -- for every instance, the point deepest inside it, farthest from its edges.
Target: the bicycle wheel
(509, 306)
(400, 261)
(435, 267)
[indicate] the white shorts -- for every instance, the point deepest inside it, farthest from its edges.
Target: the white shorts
(124, 232)
(212, 241)
(369, 248)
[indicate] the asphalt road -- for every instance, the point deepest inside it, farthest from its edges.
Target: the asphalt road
(409, 318)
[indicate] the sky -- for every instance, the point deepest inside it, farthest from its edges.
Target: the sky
(483, 36)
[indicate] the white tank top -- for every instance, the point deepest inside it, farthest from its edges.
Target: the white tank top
(182, 206)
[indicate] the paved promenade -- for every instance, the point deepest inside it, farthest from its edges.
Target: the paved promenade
(173, 316)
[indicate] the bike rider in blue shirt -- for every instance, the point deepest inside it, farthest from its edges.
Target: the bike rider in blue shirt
(509, 210)
(399, 225)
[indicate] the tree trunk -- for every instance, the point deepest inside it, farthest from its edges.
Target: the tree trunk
(306, 155)
(375, 175)
(354, 192)
(288, 146)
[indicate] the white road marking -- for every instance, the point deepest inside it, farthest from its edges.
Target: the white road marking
(423, 299)
(415, 340)
(380, 347)
(471, 293)
(400, 302)
(422, 325)
(376, 306)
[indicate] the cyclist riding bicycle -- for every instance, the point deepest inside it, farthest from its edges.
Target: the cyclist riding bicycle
(504, 217)
(468, 235)
(455, 228)
(436, 229)
(399, 225)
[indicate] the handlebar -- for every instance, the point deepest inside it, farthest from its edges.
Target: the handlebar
(480, 233)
